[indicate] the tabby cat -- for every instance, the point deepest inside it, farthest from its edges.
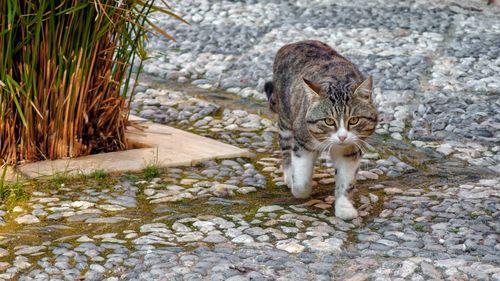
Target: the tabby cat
(324, 104)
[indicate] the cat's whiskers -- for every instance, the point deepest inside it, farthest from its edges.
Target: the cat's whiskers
(359, 147)
(361, 144)
(322, 144)
(325, 146)
(319, 145)
(332, 144)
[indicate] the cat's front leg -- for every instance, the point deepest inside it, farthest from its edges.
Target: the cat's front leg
(347, 162)
(286, 142)
(302, 170)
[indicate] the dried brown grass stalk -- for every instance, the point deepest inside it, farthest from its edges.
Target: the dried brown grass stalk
(61, 69)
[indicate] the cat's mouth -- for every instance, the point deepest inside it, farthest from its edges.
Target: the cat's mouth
(343, 144)
(348, 143)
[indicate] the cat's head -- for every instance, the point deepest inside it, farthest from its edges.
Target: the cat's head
(341, 115)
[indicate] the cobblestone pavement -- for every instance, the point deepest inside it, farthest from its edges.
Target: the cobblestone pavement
(436, 64)
(428, 190)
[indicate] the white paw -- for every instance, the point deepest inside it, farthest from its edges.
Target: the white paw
(344, 209)
(301, 192)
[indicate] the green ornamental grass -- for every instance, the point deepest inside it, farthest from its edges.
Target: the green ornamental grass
(62, 65)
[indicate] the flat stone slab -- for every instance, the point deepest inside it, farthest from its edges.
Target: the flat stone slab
(163, 146)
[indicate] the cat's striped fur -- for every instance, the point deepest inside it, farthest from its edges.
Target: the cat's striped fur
(324, 104)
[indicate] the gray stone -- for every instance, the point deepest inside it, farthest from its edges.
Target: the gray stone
(29, 250)
(3, 252)
(329, 245)
(4, 266)
(269, 209)
(430, 271)
(106, 220)
(222, 201)
(190, 237)
(27, 219)
(21, 262)
(291, 246)
(214, 238)
(244, 238)
(393, 173)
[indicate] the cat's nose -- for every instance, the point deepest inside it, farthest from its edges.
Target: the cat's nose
(342, 138)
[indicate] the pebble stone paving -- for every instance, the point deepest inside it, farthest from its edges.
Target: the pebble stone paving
(428, 190)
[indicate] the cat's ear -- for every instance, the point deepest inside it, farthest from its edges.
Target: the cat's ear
(365, 89)
(313, 86)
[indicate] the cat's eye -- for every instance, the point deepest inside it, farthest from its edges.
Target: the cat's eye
(353, 120)
(330, 121)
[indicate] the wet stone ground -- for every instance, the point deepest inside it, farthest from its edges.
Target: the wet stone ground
(422, 216)
(428, 190)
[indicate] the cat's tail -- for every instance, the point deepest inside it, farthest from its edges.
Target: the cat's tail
(268, 89)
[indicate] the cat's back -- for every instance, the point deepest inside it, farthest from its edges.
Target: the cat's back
(296, 56)
(312, 60)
